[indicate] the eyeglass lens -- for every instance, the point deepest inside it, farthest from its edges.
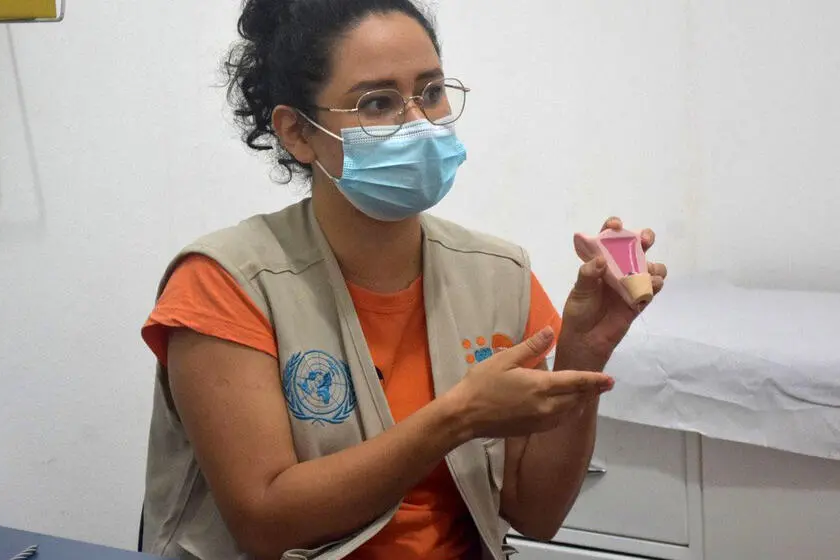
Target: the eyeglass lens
(442, 102)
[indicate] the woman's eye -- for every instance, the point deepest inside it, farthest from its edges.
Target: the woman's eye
(433, 95)
(377, 104)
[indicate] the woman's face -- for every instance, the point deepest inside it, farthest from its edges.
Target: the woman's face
(389, 51)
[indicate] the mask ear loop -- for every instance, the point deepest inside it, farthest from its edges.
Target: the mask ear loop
(322, 129)
(327, 173)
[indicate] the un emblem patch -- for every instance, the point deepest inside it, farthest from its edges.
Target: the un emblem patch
(318, 387)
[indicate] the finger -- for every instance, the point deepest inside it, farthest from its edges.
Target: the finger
(658, 283)
(534, 347)
(571, 382)
(612, 223)
(657, 269)
(583, 247)
(648, 239)
(589, 275)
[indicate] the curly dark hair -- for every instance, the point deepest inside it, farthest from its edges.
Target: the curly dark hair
(283, 59)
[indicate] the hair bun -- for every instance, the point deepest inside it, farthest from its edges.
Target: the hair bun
(262, 18)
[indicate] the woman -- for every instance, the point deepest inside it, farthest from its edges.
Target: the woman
(330, 380)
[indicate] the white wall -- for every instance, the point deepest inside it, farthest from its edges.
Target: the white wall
(579, 112)
(713, 122)
(133, 156)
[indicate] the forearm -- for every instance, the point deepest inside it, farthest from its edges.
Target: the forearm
(317, 501)
(552, 465)
(551, 471)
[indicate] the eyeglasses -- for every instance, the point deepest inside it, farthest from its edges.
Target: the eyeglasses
(441, 101)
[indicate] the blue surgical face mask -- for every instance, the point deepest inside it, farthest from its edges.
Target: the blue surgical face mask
(393, 178)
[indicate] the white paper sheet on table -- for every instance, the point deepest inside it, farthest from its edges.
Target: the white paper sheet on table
(752, 366)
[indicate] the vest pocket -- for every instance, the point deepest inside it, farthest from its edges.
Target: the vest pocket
(494, 449)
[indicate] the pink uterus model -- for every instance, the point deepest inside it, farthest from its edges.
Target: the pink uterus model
(626, 263)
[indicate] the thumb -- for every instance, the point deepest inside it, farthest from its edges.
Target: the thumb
(536, 345)
(589, 275)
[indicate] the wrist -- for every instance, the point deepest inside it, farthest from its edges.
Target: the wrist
(572, 354)
(453, 414)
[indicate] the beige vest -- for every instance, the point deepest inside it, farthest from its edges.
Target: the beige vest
(474, 286)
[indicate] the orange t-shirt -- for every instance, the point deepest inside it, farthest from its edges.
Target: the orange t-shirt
(433, 521)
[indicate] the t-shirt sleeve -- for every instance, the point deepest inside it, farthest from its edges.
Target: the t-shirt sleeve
(542, 313)
(202, 296)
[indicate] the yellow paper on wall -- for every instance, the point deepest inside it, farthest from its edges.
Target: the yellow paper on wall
(27, 9)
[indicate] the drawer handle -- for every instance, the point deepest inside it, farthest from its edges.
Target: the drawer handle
(596, 468)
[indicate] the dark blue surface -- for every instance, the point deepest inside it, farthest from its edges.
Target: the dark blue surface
(13, 541)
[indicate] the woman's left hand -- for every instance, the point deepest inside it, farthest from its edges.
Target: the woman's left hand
(595, 317)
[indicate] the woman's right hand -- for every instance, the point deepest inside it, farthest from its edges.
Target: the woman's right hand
(499, 398)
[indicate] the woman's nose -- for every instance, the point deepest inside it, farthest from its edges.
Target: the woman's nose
(413, 112)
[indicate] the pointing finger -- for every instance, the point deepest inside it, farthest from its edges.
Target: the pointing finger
(570, 382)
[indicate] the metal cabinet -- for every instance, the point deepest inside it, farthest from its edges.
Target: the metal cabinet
(641, 498)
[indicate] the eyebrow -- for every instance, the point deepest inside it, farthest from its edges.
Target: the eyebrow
(368, 85)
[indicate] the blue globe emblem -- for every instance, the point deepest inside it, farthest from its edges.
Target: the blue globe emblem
(318, 387)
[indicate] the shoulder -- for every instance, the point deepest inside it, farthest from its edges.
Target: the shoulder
(264, 242)
(458, 239)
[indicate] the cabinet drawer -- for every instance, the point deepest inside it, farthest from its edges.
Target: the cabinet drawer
(541, 551)
(643, 493)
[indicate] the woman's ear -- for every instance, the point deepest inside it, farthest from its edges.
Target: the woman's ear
(292, 130)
